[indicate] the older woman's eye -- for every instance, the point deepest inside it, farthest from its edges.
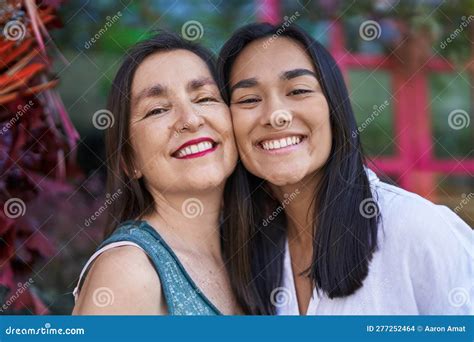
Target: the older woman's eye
(156, 111)
(299, 91)
(249, 100)
(207, 99)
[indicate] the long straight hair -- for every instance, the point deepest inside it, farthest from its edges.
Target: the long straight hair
(135, 200)
(344, 239)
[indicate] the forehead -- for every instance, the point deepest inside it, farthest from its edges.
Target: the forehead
(170, 68)
(263, 58)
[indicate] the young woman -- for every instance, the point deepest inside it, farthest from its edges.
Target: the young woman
(318, 232)
(170, 150)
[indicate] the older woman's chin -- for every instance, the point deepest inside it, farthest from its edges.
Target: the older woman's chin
(204, 178)
(209, 182)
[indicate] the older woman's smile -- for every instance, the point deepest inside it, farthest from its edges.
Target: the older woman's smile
(196, 148)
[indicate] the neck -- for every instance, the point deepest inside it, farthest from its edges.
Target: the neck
(299, 204)
(189, 221)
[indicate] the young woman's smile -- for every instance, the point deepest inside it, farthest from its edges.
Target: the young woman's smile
(281, 143)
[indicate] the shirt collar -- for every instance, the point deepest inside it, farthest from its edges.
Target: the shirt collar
(371, 175)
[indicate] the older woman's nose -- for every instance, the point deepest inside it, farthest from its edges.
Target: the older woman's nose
(189, 118)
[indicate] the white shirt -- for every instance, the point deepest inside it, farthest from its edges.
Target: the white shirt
(423, 265)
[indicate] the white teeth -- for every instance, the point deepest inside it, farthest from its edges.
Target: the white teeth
(202, 146)
(280, 143)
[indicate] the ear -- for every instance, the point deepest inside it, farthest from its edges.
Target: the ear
(131, 172)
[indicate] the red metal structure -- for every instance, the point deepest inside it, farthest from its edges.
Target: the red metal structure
(413, 164)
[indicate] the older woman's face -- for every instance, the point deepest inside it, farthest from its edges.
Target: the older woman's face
(180, 129)
(279, 112)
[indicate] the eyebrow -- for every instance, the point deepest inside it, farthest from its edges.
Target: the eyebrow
(158, 89)
(290, 74)
(285, 76)
(153, 91)
(246, 83)
(200, 82)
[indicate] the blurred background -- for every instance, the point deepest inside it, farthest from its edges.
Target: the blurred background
(408, 65)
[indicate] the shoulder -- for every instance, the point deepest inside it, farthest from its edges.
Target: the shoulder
(122, 280)
(413, 218)
(429, 246)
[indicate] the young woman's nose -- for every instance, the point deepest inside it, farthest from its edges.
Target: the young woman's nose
(275, 113)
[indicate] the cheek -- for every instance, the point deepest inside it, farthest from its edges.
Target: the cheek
(147, 144)
(325, 124)
(326, 139)
(318, 119)
(242, 125)
(221, 124)
(319, 123)
(224, 126)
(322, 137)
(322, 125)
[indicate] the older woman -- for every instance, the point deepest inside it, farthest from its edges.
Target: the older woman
(169, 153)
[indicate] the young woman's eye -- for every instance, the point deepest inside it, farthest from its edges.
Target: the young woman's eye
(207, 99)
(248, 101)
(300, 91)
(156, 111)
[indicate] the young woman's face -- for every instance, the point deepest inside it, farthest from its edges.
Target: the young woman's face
(180, 128)
(279, 112)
